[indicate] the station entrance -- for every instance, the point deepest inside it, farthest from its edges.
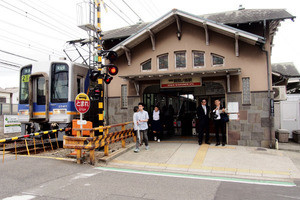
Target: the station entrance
(178, 106)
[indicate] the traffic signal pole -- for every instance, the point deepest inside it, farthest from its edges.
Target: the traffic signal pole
(100, 80)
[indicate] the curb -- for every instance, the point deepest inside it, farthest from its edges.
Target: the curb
(117, 153)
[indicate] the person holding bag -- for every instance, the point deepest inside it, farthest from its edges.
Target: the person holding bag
(219, 121)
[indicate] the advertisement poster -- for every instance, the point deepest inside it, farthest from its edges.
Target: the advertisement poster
(11, 124)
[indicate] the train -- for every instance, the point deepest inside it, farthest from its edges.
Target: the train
(47, 92)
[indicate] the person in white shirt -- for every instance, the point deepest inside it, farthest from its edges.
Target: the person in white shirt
(136, 129)
(219, 124)
(156, 124)
(143, 118)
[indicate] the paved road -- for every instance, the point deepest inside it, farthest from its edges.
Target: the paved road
(40, 178)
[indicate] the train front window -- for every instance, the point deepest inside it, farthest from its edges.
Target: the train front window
(59, 83)
(41, 93)
(24, 87)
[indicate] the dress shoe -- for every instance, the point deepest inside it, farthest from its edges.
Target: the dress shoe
(199, 143)
(207, 143)
(218, 143)
(223, 144)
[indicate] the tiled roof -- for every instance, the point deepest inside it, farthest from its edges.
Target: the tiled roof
(286, 69)
(230, 17)
(124, 31)
(248, 15)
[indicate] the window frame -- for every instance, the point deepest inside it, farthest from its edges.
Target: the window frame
(24, 101)
(243, 93)
(122, 96)
(161, 55)
(55, 100)
(193, 57)
(147, 70)
(212, 60)
(180, 68)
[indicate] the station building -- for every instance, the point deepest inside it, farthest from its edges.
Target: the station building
(182, 58)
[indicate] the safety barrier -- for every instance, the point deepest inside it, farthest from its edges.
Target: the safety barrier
(33, 136)
(93, 142)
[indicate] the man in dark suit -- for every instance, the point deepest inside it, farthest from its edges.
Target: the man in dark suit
(203, 116)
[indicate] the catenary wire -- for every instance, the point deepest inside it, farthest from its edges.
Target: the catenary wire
(42, 23)
(121, 11)
(17, 55)
(117, 13)
(133, 11)
(51, 17)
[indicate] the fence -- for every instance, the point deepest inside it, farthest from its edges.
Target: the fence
(93, 142)
(6, 109)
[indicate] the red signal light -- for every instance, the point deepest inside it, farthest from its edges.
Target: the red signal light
(113, 70)
(107, 79)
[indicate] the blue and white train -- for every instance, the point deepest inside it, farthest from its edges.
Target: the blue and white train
(47, 92)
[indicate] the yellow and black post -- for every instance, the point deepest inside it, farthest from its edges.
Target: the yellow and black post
(100, 80)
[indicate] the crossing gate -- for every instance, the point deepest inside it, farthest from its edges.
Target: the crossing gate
(93, 142)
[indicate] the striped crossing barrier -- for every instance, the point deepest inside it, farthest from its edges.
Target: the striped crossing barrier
(93, 142)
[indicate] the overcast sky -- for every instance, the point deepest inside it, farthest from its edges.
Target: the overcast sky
(39, 29)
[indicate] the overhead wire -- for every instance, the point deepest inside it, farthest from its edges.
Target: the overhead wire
(147, 8)
(117, 13)
(52, 27)
(9, 68)
(39, 44)
(30, 30)
(121, 11)
(12, 65)
(10, 62)
(51, 17)
(17, 55)
(40, 50)
(140, 19)
(155, 7)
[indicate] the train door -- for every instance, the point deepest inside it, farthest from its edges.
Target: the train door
(39, 97)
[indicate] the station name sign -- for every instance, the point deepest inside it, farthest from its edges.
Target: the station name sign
(181, 82)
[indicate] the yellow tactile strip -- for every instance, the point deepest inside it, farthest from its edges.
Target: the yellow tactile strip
(197, 164)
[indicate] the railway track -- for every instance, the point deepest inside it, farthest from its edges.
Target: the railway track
(30, 146)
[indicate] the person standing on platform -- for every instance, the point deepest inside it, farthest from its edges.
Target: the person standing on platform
(219, 123)
(203, 125)
(143, 118)
(156, 124)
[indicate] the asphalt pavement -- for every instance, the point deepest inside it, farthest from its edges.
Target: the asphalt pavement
(32, 177)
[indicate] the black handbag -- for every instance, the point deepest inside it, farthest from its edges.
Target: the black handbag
(224, 117)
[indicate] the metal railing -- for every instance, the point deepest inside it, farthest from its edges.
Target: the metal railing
(93, 142)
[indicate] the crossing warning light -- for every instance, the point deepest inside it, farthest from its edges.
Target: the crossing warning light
(94, 75)
(107, 79)
(113, 70)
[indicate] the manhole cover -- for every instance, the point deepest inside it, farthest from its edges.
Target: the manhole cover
(261, 149)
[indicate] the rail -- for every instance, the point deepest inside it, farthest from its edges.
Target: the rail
(6, 141)
(93, 142)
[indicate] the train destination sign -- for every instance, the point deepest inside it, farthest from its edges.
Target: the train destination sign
(82, 103)
(181, 82)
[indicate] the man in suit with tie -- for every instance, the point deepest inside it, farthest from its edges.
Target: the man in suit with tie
(203, 116)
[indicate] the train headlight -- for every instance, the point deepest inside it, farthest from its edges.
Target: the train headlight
(24, 112)
(59, 111)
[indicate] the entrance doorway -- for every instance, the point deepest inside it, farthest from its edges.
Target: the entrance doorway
(178, 105)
